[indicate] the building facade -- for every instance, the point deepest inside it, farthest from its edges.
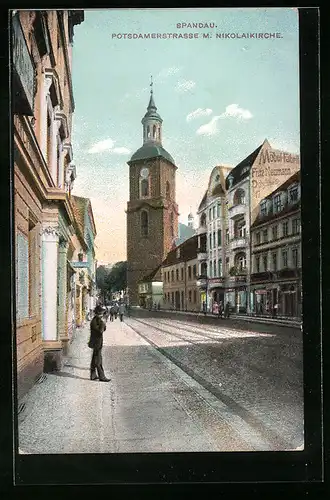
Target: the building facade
(152, 212)
(248, 183)
(276, 252)
(42, 108)
(212, 237)
(179, 274)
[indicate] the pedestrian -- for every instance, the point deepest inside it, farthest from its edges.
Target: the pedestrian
(116, 310)
(97, 326)
(121, 311)
(204, 307)
(227, 313)
(106, 314)
(220, 309)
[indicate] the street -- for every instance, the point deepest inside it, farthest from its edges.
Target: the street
(175, 386)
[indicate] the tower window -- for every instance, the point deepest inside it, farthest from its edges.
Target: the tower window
(148, 132)
(144, 224)
(144, 186)
(159, 136)
(167, 189)
(154, 132)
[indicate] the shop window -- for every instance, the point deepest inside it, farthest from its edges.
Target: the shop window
(144, 223)
(296, 226)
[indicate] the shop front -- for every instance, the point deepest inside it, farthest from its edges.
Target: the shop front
(236, 294)
(216, 292)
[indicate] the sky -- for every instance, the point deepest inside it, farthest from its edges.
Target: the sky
(219, 98)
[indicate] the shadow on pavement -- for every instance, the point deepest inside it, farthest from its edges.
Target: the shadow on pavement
(68, 375)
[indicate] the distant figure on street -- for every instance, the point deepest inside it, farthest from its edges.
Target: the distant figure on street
(227, 311)
(112, 312)
(204, 307)
(115, 310)
(220, 311)
(97, 326)
(121, 311)
(106, 314)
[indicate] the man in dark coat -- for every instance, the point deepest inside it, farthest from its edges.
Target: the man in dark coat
(97, 326)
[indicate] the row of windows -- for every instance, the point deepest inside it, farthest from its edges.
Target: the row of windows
(215, 212)
(273, 261)
(276, 205)
(215, 239)
(145, 188)
(170, 297)
(171, 276)
(285, 231)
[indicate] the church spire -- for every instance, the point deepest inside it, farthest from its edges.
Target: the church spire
(152, 122)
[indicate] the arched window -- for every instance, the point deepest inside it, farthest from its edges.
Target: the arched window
(154, 131)
(240, 261)
(159, 136)
(144, 223)
(144, 187)
(168, 189)
(239, 197)
(148, 132)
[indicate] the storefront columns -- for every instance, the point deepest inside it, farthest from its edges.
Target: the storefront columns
(62, 291)
(51, 343)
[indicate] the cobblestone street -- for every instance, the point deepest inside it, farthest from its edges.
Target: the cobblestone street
(158, 403)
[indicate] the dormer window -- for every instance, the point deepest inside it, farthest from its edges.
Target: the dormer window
(293, 194)
(263, 208)
(277, 203)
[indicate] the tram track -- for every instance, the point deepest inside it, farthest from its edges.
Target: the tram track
(276, 441)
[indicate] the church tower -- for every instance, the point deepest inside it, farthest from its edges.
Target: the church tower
(152, 213)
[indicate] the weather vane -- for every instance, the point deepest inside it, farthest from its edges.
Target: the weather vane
(151, 83)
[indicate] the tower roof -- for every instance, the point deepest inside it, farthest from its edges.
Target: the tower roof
(151, 151)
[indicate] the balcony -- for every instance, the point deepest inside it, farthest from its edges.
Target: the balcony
(238, 242)
(201, 254)
(202, 281)
(201, 229)
(235, 211)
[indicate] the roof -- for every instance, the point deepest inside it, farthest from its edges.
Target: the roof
(291, 180)
(218, 190)
(80, 205)
(151, 151)
(152, 275)
(202, 203)
(188, 251)
(242, 170)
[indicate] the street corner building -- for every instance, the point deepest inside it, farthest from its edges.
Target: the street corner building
(152, 212)
(226, 215)
(48, 233)
(276, 287)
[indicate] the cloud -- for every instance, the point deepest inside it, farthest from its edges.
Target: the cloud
(233, 110)
(197, 113)
(121, 151)
(166, 72)
(100, 146)
(108, 145)
(209, 128)
(185, 85)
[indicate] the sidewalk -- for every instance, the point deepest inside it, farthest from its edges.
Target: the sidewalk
(281, 321)
(150, 405)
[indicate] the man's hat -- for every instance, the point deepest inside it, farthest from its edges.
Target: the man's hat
(99, 310)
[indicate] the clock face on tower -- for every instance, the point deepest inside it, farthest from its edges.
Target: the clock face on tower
(144, 173)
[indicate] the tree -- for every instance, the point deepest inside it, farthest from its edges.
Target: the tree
(102, 275)
(117, 278)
